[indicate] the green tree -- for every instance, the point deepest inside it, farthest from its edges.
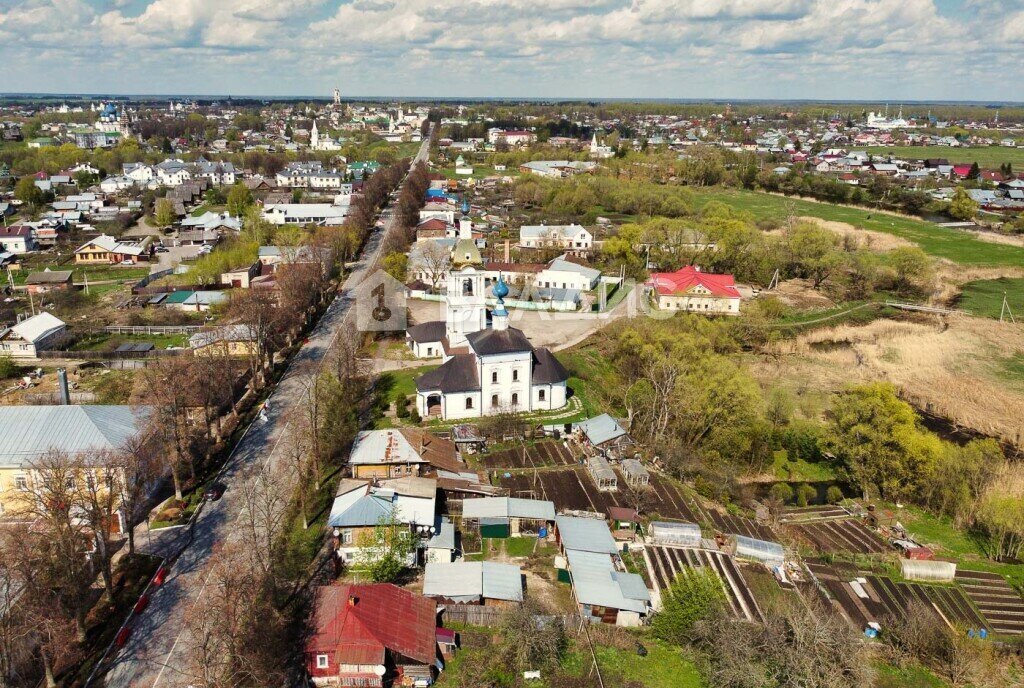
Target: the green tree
(782, 493)
(239, 199)
(384, 550)
(164, 215)
(962, 207)
(396, 264)
(833, 494)
(28, 193)
(912, 268)
(878, 440)
(813, 252)
(804, 494)
(693, 597)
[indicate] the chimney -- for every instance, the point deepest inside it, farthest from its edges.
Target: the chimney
(507, 248)
(62, 386)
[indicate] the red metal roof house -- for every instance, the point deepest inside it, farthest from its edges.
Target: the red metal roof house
(373, 635)
(689, 289)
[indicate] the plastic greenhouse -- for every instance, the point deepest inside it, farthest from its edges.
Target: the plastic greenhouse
(682, 534)
(759, 550)
(925, 570)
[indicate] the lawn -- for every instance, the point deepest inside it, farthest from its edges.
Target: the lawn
(941, 242)
(935, 531)
(663, 667)
(986, 156)
(109, 341)
(393, 386)
(889, 676)
(788, 469)
(985, 297)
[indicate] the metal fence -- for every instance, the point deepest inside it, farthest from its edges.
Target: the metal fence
(152, 329)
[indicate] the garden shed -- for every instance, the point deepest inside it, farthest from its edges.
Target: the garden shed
(636, 474)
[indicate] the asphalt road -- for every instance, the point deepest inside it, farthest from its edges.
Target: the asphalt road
(156, 653)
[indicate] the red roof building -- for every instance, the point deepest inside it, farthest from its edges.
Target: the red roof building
(372, 635)
(962, 171)
(689, 289)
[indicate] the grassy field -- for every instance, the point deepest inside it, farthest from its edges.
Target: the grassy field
(985, 156)
(95, 273)
(663, 667)
(109, 342)
(941, 242)
(889, 676)
(984, 298)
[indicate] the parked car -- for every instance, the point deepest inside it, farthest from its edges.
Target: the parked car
(214, 492)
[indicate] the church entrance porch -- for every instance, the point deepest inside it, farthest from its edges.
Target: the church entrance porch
(434, 405)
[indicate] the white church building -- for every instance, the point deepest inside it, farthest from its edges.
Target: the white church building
(486, 370)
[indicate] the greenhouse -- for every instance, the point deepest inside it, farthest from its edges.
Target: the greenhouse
(602, 473)
(928, 571)
(681, 534)
(636, 474)
(759, 550)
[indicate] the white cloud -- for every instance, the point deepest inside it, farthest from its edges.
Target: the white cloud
(667, 48)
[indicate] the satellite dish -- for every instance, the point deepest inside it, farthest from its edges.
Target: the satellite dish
(379, 670)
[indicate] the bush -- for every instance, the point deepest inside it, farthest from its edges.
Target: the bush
(833, 495)
(8, 368)
(804, 494)
(691, 599)
(414, 415)
(781, 492)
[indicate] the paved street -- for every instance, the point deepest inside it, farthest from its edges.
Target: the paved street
(156, 654)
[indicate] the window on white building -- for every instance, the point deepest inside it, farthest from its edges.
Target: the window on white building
(515, 376)
(515, 399)
(540, 395)
(469, 402)
(21, 482)
(494, 376)
(494, 401)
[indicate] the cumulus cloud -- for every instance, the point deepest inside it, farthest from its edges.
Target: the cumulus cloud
(645, 48)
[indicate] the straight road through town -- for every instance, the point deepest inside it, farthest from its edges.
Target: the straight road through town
(155, 653)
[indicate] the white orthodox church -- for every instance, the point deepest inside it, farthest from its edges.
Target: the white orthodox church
(486, 370)
(317, 141)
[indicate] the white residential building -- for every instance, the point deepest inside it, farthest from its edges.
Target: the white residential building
(572, 237)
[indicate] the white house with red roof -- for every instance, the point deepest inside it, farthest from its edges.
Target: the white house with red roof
(689, 289)
(373, 635)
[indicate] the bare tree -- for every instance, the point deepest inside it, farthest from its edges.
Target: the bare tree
(264, 516)
(96, 497)
(55, 504)
(434, 262)
(257, 310)
(136, 473)
(169, 387)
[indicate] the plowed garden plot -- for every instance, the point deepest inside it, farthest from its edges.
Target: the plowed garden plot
(736, 525)
(665, 563)
(572, 488)
(538, 455)
(997, 601)
(840, 536)
(667, 501)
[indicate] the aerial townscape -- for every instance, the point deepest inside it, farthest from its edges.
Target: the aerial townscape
(357, 344)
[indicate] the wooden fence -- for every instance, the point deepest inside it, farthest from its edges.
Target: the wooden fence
(476, 615)
(111, 355)
(52, 398)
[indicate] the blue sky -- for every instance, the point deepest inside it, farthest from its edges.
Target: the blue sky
(819, 49)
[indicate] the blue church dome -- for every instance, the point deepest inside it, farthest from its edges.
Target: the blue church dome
(465, 207)
(500, 289)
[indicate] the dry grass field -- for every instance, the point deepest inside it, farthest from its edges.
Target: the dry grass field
(969, 370)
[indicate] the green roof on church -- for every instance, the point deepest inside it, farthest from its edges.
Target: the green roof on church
(466, 253)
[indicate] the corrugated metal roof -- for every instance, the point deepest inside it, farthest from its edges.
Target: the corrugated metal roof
(38, 326)
(472, 580)
(585, 534)
(508, 507)
(601, 429)
(597, 583)
(29, 432)
(444, 538)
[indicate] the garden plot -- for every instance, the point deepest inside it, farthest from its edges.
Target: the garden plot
(808, 514)
(665, 563)
(887, 598)
(539, 455)
(736, 525)
(848, 535)
(572, 488)
(999, 603)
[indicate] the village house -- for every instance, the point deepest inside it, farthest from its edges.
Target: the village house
(501, 517)
(227, 340)
(323, 214)
(39, 333)
(557, 169)
(571, 237)
(93, 435)
(47, 281)
(485, 583)
(361, 506)
(372, 635)
(604, 591)
(17, 239)
(689, 289)
(105, 249)
(241, 277)
(564, 274)
(401, 452)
